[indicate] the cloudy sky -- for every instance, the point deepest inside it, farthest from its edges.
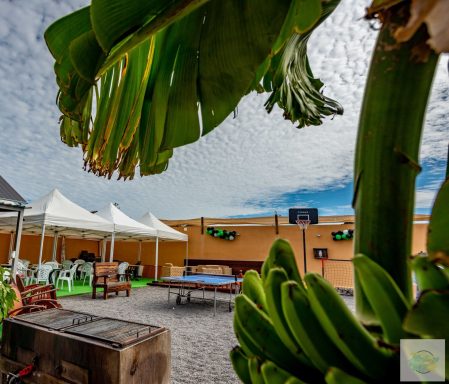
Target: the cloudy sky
(252, 165)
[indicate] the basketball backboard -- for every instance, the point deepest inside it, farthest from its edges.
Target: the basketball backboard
(295, 214)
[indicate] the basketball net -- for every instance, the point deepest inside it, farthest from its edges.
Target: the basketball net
(302, 224)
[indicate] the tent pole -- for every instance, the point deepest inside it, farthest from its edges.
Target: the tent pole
(157, 258)
(103, 249)
(62, 249)
(111, 253)
(11, 245)
(139, 255)
(17, 244)
(187, 255)
(41, 249)
(55, 246)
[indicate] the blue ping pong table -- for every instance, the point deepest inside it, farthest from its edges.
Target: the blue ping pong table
(185, 286)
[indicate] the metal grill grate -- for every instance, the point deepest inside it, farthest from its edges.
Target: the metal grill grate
(57, 319)
(115, 332)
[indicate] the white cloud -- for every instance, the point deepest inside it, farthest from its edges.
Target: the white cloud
(424, 198)
(253, 157)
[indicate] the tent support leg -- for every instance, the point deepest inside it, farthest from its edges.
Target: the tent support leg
(187, 256)
(17, 244)
(55, 246)
(111, 253)
(139, 254)
(41, 249)
(157, 258)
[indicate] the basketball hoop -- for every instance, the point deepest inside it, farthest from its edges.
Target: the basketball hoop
(302, 224)
(303, 217)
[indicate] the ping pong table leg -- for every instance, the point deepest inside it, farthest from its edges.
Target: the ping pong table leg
(169, 288)
(215, 300)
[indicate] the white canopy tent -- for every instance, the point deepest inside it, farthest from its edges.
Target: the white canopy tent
(165, 233)
(56, 214)
(124, 227)
(12, 203)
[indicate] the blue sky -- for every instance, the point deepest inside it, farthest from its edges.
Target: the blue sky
(337, 201)
(254, 164)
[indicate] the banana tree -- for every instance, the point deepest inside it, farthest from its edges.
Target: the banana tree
(161, 74)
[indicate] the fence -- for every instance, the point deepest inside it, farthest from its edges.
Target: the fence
(340, 273)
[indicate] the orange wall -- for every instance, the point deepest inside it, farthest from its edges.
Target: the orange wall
(253, 243)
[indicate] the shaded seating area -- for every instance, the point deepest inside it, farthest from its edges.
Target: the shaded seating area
(107, 276)
(56, 215)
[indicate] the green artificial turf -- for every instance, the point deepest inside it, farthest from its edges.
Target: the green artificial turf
(80, 289)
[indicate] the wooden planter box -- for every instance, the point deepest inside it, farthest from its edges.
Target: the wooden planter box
(73, 347)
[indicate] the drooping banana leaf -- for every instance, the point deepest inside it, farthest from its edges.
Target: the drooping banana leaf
(292, 84)
(167, 72)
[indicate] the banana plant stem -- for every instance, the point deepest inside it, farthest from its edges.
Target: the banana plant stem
(386, 162)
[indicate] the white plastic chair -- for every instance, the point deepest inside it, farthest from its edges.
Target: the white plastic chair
(78, 263)
(25, 262)
(67, 275)
(122, 269)
(23, 271)
(67, 264)
(53, 264)
(43, 274)
(87, 273)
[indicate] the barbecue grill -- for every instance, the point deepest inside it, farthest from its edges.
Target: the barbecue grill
(75, 347)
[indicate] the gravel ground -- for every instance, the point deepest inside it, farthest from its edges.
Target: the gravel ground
(200, 341)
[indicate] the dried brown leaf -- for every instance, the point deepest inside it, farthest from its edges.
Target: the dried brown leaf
(379, 6)
(435, 13)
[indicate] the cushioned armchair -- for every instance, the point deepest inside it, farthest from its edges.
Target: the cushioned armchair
(214, 269)
(168, 269)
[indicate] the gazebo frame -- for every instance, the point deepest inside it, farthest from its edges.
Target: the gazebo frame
(11, 201)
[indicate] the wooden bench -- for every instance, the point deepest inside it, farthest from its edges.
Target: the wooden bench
(106, 276)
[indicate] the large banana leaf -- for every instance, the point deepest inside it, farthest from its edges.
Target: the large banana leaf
(166, 72)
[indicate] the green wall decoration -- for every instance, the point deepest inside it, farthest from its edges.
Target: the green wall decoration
(221, 233)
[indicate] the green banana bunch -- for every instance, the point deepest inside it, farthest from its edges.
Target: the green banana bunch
(301, 331)
(272, 374)
(437, 239)
(257, 326)
(281, 255)
(429, 275)
(337, 376)
(240, 364)
(253, 289)
(346, 332)
(384, 296)
(315, 342)
(248, 346)
(255, 370)
(272, 285)
(428, 318)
